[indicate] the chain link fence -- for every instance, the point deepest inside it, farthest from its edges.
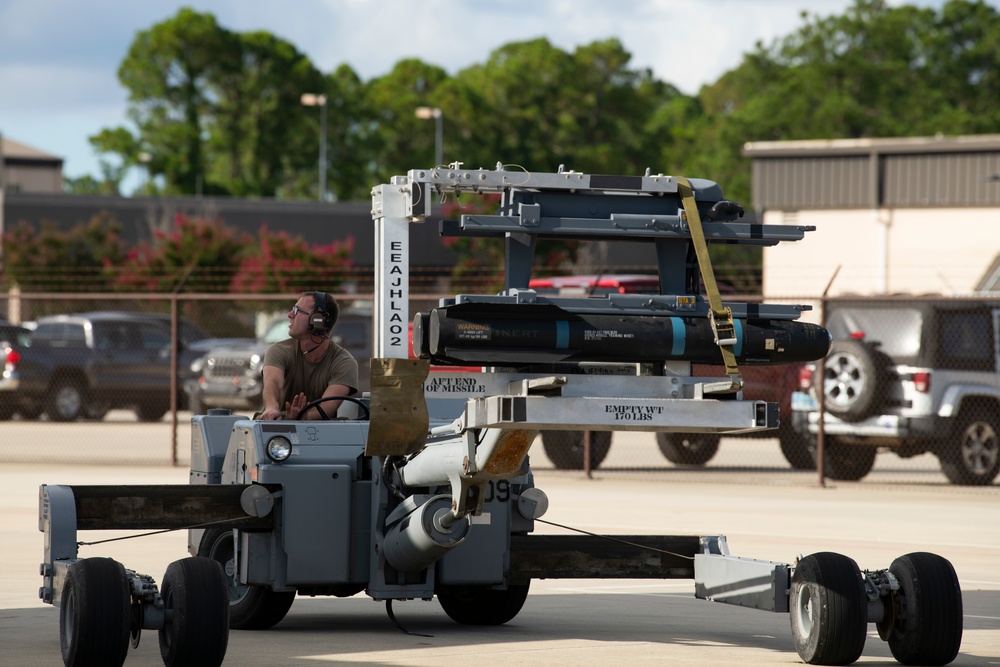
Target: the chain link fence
(910, 392)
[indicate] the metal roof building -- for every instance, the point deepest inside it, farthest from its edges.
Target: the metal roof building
(907, 215)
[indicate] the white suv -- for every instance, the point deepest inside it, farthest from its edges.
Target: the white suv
(912, 376)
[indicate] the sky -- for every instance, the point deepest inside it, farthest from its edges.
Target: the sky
(59, 58)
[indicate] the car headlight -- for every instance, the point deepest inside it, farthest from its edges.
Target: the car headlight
(279, 448)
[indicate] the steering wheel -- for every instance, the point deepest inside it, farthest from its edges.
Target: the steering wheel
(326, 399)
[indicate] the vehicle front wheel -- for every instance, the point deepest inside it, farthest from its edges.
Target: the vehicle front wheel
(565, 448)
(688, 449)
(476, 605)
(972, 456)
(251, 607)
(151, 412)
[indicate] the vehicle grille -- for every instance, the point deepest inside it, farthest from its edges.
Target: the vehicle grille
(226, 367)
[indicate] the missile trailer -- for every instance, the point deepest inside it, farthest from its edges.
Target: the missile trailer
(423, 489)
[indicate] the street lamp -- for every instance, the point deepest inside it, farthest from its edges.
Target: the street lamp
(315, 100)
(426, 113)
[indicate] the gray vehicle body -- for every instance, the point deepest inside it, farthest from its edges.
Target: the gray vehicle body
(913, 377)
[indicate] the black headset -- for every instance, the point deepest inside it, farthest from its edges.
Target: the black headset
(320, 319)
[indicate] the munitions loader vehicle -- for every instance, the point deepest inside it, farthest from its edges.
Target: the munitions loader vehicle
(423, 489)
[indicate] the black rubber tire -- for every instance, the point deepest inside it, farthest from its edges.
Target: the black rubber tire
(94, 614)
(474, 605)
(688, 449)
(196, 632)
(928, 630)
(847, 463)
(972, 456)
(251, 607)
(565, 448)
(854, 380)
(829, 609)
(797, 449)
(6, 409)
(151, 412)
(67, 401)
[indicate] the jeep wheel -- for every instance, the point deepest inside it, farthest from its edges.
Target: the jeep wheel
(688, 449)
(565, 448)
(853, 380)
(845, 462)
(972, 456)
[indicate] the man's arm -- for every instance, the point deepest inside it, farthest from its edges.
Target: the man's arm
(274, 382)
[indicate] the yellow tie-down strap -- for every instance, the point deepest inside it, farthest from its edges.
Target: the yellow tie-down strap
(720, 316)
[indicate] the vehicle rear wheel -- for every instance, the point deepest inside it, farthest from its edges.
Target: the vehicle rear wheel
(565, 448)
(476, 605)
(829, 609)
(196, 631)
(251, 607)
(67, 401)
(972, 456)
(928, 628)
(846, 462)
(853, 380)
(796, 448)
(94, 613)
(688, 449)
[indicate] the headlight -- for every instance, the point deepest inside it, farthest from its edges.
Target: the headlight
(279, 448)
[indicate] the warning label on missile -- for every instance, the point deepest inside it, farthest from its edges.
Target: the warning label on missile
(472, 331)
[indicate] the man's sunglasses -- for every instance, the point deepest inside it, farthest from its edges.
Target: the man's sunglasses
(296, 310)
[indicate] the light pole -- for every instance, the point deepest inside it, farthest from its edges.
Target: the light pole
(426, 113)
(315, 100)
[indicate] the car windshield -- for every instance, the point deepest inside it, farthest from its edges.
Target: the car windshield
(896, 329)
(277, 331)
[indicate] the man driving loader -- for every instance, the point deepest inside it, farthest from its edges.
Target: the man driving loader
(309, 365)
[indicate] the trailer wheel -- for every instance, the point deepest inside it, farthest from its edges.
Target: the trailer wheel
(196, 609)
(688, 449)
(928, 627)
(94, 613)
(477, 605)
(251, 607)
(829, 609)
(565, 448)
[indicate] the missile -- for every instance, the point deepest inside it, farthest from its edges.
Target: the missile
(519, 334)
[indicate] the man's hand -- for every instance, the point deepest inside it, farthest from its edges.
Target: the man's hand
(293, 409)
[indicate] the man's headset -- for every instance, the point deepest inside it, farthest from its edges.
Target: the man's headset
(320, 319)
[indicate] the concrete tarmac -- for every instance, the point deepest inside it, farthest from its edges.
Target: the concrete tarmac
(771, 514)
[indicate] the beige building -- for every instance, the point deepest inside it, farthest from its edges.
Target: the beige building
(27, 169)
(911, 216)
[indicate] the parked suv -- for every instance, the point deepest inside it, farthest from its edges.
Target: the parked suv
(231, 377)
(910, 376)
